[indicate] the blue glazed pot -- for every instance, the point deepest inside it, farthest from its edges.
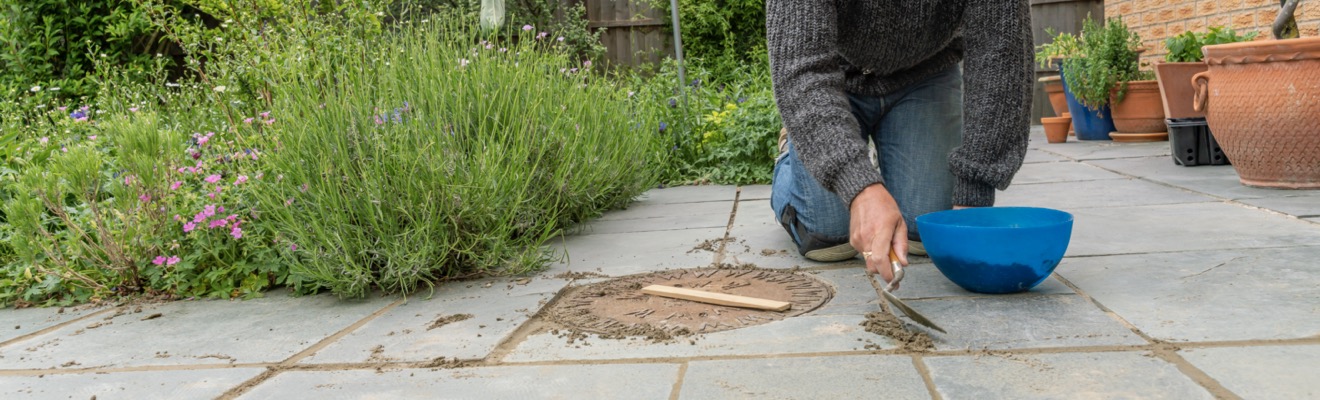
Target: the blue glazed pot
(1090, 124)
(996, 249)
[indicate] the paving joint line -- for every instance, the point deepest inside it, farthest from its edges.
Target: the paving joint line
(678, 382)
(271, 371)
(57, 327)
(728, 228)
(923, 370)
(1162, 349)
(1222, 199)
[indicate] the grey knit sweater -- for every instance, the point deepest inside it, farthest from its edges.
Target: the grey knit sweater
(820, 49)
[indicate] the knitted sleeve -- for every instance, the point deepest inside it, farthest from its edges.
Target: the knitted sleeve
(996, 99)
(809, 90)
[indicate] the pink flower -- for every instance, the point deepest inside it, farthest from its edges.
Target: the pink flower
(247, 120)
(270, 121)
(132, 109)
(211, 195)
(586, 64)
(176, 185)
(209, 210)
(172, 260)
(561, 38)
(304, 188)
(542, 35)
(43, 139)
(237, 232)
(219, 188)
(176, 217)
(128, 179)
(293, 247)
(160, 260)
(527, 27)
(288, 202)
(91, 137)
(265, 114)
(203, 139)
(221, 210)
(462, 62)
(218, 223)
(145, 198)
(188, 227)
(213, 178)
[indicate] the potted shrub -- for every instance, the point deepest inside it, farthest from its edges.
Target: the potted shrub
(1049, 56)
(1108, 56)
(1183, 60)
(1260, 99)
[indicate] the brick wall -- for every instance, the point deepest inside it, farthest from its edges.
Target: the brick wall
(1156, 20)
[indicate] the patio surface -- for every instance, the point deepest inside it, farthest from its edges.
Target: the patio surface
(1179, 283)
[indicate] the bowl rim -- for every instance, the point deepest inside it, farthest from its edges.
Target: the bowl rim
(927, 218)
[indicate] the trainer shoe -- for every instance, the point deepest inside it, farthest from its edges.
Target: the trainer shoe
(831, 254)
(916, 248)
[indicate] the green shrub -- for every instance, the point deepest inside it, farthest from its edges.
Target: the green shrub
(435, 154)
(725, 130)
(51, 45)
(1186, 47)
(728, 35)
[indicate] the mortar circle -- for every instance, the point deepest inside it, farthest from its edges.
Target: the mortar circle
(618, 308)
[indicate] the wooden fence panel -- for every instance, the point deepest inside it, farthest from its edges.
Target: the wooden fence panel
(634, 32)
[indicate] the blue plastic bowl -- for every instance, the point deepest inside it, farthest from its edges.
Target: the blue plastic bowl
(996, 249)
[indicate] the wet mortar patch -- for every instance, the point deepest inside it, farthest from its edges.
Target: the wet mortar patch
(617, 308)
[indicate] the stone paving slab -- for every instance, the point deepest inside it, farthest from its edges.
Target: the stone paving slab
(28, 320)
(1104, 149)
(797, 335)
(616, 381)
(1115, 375)
(1298, 206)
(405, 333)
(1217, 180)
(193, 332)
(1020, 322)
(1182, 227)
(923, 280)
(853, 294)
(1036, 156)
(168, 385)
(851, 377)
(1091, 194)
(686, 194)
(754, 192)
(1061, 172)
(679, 217)
(1209, 295)
(632, 253)
(1262, 372)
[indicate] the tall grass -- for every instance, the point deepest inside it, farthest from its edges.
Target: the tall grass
(436, 153)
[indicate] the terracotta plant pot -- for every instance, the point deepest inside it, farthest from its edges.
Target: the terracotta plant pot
(1071, 131)
(1054, 88)
(1056, 128)
(1140, 111)
(1262, 103)
(1176, 88)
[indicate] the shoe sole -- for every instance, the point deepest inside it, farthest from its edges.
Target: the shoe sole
(916, 248)
(832, 254)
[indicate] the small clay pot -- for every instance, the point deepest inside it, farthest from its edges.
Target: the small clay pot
(1071, 131)
(1054, 88)
(1142, 108)
(1056, 128)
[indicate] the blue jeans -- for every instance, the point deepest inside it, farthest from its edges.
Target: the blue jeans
(914, 130)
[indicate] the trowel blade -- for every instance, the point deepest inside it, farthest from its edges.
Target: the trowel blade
(916, 316)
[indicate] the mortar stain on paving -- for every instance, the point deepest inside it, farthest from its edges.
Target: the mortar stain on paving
(617, 308)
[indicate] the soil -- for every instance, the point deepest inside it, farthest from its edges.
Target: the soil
(886, 324)
(570, 275)
(616, 309)
(711, 245)
(446, 320)
(446, 363)
(152, 316)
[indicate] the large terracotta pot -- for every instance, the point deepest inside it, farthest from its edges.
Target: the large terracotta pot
(1262, 101)
(1054, 88)
(1140, 111)
(1175, 81)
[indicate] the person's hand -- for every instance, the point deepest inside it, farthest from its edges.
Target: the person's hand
(962, 207)
(876, 225)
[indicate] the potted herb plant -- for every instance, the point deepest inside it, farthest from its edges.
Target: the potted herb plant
(1049, 56)
(1184, 60)
(1108, 57)
(1260, 101)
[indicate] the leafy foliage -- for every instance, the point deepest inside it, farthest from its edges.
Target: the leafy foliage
(1186, 47)
(1108, 57)
(726, 35)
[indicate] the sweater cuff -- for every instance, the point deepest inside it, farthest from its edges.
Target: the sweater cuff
(973, 193)
(854, 177)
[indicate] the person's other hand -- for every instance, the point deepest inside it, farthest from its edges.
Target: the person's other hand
(876, 226)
